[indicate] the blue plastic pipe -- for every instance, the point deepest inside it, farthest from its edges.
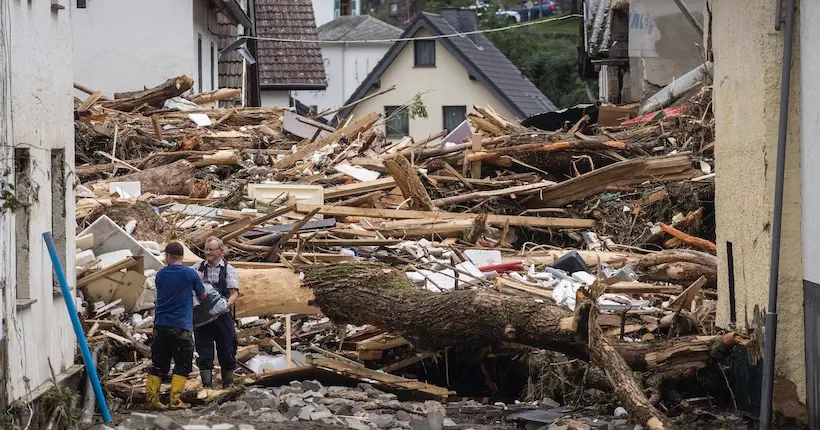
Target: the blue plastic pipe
(90, 368)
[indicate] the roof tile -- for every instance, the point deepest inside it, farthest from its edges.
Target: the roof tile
(288, 63)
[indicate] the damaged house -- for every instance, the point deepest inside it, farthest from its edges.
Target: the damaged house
(36, 140)
(634, 48)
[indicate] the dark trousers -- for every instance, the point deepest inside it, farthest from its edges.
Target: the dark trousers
(171, 343)
(221, 332)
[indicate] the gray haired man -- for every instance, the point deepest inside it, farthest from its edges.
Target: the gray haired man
(221, 332)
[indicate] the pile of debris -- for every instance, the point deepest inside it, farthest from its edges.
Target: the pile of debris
(495, 239)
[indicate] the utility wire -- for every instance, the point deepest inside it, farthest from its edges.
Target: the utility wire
(410, 39)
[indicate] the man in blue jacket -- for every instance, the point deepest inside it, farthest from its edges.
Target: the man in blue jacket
(173, 327)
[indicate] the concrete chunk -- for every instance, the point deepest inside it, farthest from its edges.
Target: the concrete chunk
(165, 423)
(355, 424)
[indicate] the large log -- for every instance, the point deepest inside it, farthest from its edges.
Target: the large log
(626, 388)
(154, 96)
(375, 294)
(266, 292)
(175, 178)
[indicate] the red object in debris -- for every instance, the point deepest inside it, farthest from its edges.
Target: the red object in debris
(670, 113)
(512, 266)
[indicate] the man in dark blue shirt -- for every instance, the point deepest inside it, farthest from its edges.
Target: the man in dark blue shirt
(173, 327)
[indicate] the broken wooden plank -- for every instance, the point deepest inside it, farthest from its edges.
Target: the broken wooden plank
(245, 353)
(408, 181)
(350, 130)
(684, 300)
(637, 170)
(480, 195)
(93, 98)
(409, 361)
(689, 239)
(407, 214)
(116, 337)
(642, 287)
(125, 263)
(359, 188)
(393, 381)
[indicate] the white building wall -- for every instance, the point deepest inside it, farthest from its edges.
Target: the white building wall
(346, 67)
(126, 45)
(447, 84)
(204, 20)
(809, 137)
(41, 119)
(325, 10)
(275, 98)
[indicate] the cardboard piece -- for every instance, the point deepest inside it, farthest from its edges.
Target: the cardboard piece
(127, 286)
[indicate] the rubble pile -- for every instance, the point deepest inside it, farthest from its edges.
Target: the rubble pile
(598, 224)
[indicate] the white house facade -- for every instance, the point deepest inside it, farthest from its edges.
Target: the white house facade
(125, 45)
(347, 61)
(36, 162)
(451, 75)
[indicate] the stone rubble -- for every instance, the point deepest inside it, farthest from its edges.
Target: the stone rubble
(367, 408)
(363, 407)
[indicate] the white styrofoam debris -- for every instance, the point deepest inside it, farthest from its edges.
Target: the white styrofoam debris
(85, 257)
(564, 293)
(416, 278)
(248, 321)
(358, 173)
(111, 258)
(584, 277)
(469, 267)
(483, 257)
(200, 119)
(126, 190)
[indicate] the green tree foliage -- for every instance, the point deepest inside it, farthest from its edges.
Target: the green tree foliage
(549, 60)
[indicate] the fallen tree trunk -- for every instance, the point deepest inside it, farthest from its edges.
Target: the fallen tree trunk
(154, 96)
(375, 294)
(267, 292)
(678, 266)
(175, 178)
(217, 95)
(626, 388)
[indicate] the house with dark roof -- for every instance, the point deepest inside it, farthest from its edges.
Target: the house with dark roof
(126, 45)
(451, 74)
(347, 60)
(287, 64)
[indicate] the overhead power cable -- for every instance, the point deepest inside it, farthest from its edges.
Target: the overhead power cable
(410, 39)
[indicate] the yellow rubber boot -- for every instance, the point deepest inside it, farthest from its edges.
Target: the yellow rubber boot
(177, 385)
(152, 384)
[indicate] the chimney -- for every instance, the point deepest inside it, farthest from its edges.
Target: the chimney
(463, 20)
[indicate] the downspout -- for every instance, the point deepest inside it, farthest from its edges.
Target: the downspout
(771, 313)
(344, 72)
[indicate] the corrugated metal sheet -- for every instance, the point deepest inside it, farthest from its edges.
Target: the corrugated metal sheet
(811, 298)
